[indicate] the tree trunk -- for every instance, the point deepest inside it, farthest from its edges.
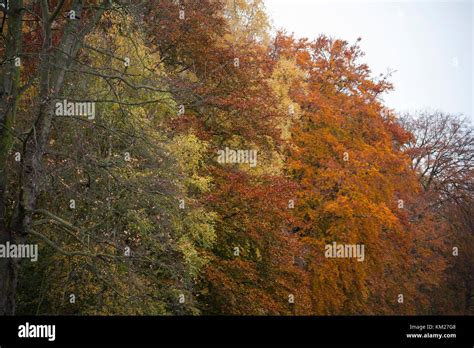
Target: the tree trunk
(10, 76)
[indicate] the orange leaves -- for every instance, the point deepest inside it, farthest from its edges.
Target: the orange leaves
(351, 174)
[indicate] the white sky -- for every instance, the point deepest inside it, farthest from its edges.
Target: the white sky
(428, 43)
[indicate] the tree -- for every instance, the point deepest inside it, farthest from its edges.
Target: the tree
(61, 51)
(441, 152)
(352, 177)
(129, 248)
(59, 44)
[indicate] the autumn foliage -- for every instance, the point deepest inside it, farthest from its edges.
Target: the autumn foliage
(334, 165)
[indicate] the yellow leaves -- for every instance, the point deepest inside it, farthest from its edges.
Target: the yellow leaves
(285, 74)
(129, 65)
(192, 258)
(189, 150)
(126, 47)
(247, 20)
(197, 233)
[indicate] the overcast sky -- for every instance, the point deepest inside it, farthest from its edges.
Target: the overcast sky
(428, 43)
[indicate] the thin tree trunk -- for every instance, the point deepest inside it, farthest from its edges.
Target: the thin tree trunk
(10, 76)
